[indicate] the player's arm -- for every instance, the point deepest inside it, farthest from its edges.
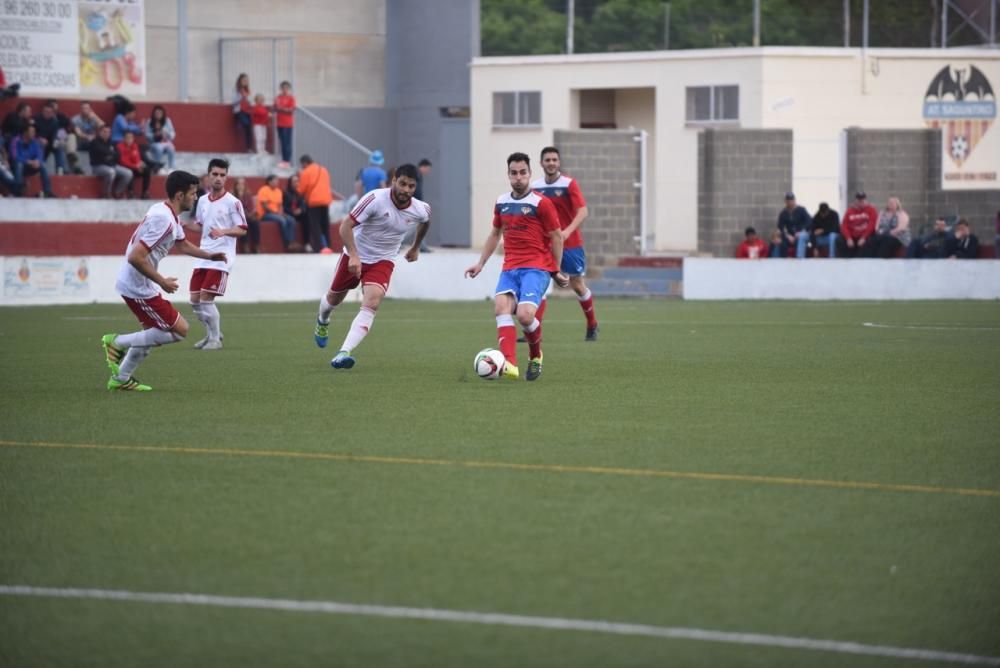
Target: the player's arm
(490, 247)
(139, 259)
(556, 245)
(413, 252)
(347, 236)
(239, 224)
(581, 215)
(188, 248)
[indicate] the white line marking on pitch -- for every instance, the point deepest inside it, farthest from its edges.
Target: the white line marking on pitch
(945, 328)
(501, 619)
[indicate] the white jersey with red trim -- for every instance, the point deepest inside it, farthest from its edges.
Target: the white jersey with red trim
(158, 232)
(219, 214)
(380, 225)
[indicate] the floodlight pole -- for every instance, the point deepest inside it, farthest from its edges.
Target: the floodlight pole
(944, 24)
(182, 51)
(570, 15)
(847, 23)
(756, 22)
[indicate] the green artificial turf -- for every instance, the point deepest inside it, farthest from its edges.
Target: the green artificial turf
(834, 470)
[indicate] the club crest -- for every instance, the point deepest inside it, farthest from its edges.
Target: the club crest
(962, 103)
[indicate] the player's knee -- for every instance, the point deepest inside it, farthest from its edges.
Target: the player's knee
(180, 328)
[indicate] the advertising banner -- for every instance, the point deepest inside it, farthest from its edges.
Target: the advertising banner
(39, 46)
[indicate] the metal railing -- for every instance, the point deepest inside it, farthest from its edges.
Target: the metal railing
(266, 60)
(330, 147)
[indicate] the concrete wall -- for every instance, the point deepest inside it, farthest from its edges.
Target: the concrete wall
(339, 47)
(606, 163)
(710, 278)
(56, 280)
(742, 176)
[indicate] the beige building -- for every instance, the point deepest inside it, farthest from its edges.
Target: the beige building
(518, 103)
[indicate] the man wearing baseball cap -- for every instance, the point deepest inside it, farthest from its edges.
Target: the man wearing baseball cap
(858, 224)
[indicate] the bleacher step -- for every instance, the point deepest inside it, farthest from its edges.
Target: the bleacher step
(240, 164)
(27, 209)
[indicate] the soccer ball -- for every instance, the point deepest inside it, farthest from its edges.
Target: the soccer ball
(489, 363)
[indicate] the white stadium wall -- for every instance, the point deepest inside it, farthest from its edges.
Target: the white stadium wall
(711, 278)
(255, 278)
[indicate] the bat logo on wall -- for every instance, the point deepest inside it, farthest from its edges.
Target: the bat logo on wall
(959, 85)
(962, 103)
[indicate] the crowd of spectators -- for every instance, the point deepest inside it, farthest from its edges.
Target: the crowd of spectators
(124, 151)
(253, 117)
(862, 231)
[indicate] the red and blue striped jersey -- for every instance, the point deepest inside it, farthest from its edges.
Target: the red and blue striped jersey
(568, 199)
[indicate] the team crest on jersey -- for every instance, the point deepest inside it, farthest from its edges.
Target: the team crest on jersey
(526, 210)
(559, 193)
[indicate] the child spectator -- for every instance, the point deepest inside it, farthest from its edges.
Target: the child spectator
(104, 163)
(753, 247)
(160, 134)
(776, 247)
(27, 159)
(259, 116)
(284, 108)
(241, 108)
(129, 158)
(270, 208)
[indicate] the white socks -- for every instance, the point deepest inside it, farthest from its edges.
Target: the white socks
(133, 358)
(146, 338)
(212, 318)
(359, 328)
(585, 296)
(532, 327)
(325, 309)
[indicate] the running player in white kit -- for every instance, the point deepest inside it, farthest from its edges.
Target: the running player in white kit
(139, 283)
(372, 234)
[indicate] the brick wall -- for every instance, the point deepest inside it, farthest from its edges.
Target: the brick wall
(742, 178)
(606, 164)
(907, 164)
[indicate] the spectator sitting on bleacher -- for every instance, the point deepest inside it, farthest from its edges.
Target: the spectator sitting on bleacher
(857, 225)
(795, 225)
(270, 208)
(27, 159)
(776, 248)
(84, 130)
(16, 121)
(124, 122)
(294, 205)
(825, 228)
(53, 129)
(130, 158)
(246, 198)
(752, 247)
(930, 246)
(160, 134)
(891, 233)
(962, 245)
(104, 163)
(7, 179)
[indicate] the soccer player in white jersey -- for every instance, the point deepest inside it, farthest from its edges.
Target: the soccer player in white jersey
(372, 235)
(139, 283)
(221, 219)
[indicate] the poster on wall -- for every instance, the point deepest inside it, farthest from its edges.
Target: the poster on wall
(112, 38)
(39, 46)
(31, 278)
(961, 101)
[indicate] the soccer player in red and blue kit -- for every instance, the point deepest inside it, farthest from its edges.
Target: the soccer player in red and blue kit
(564, 192)
(533, 245)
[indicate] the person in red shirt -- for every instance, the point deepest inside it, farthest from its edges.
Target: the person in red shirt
(284, 109)
(753, 247)
(857, 225)
(130, 158)
(533, 249)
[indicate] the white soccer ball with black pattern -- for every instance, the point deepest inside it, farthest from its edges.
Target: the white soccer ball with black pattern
(489, 363)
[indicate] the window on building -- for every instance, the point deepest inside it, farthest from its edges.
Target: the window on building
(713, 104)
(517, 108)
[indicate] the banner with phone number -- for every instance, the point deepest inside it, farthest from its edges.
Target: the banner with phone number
(92, 48)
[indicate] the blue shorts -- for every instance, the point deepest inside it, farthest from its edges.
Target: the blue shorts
(527, 285)
(574, 261)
